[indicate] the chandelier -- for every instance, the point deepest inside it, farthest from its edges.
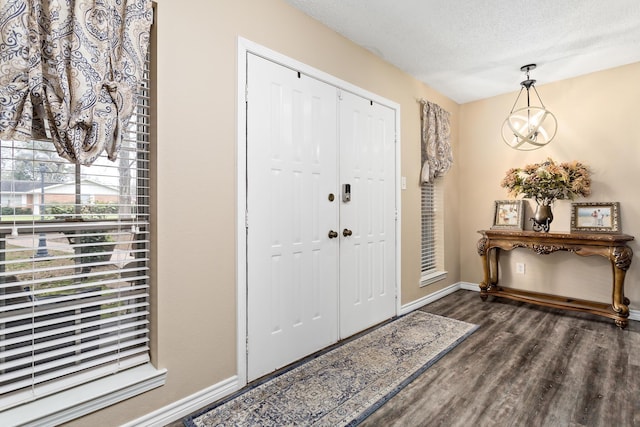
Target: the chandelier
(531, 127)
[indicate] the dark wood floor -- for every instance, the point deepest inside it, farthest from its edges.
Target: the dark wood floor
(525, 366)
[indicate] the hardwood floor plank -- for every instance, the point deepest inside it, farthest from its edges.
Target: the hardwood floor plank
(525, 365)
(634, 390)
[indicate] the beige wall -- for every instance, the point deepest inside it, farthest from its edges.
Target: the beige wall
(597, 119)
(194, 295)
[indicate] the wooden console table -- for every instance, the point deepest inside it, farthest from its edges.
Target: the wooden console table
(609, 245)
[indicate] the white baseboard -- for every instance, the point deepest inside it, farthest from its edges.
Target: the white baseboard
(428, 299)
(186, 406)
(469, 286)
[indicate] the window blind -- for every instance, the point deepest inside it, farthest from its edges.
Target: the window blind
(74, 255)
(430, 228)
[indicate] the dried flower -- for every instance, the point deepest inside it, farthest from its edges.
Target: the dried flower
(549, 181)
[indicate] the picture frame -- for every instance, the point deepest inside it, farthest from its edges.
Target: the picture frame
(508, 215)
(598, 217)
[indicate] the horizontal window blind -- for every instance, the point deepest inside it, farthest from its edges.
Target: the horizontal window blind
(74, 255)
(430, 228)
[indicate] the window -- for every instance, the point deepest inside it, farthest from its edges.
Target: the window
(74, 253)
(432, 234)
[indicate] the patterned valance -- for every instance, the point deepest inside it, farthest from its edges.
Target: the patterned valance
(437, 155)
(70, 70)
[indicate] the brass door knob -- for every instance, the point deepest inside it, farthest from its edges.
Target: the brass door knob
(333, 234)
(346, 232)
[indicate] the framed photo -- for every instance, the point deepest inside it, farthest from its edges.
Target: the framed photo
(596, 217)
(508, 214)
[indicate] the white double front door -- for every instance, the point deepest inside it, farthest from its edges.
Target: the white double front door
(320, 215)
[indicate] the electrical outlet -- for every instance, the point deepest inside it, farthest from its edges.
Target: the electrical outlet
(520, 267)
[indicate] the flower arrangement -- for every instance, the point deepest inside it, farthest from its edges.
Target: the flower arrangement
(548, 181)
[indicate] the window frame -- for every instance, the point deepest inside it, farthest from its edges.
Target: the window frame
(80, 400)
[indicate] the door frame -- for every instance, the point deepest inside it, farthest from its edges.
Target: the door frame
(244, 47)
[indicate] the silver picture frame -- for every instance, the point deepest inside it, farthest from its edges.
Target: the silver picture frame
(596, 217)
(508, 215)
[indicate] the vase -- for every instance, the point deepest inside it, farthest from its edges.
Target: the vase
(542, 217)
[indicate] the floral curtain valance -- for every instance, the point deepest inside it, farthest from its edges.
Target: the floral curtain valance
(437, 155)
(70, 70)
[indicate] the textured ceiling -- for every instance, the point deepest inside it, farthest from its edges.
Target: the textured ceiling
(470, 49)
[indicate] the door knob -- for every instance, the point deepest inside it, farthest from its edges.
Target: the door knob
(346, 232)
(333, 234)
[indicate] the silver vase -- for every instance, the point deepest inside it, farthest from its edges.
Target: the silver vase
(542, 218)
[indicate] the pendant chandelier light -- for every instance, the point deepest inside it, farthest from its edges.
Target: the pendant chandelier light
(531, 127)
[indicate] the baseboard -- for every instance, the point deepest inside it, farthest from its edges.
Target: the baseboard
(428, 299)
(188, 405)
(469, 286)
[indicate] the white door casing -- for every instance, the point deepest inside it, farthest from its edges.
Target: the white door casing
(292, 264)
(367, 252)
(250, 348)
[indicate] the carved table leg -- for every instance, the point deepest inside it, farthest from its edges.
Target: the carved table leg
(622, 323)
(620, 261)
(484, 285)
(483, 252)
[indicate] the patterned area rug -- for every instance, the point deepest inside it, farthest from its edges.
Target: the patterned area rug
(343, 385)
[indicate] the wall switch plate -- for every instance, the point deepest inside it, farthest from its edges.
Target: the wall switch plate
(520, 267)
(403, 182)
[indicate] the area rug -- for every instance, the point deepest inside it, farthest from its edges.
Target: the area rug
(343, 385)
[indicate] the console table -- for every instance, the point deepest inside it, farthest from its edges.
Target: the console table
(612, 246)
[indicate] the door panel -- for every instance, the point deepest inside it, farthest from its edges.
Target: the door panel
(292, 271)
(305, 289)
(367, 256)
